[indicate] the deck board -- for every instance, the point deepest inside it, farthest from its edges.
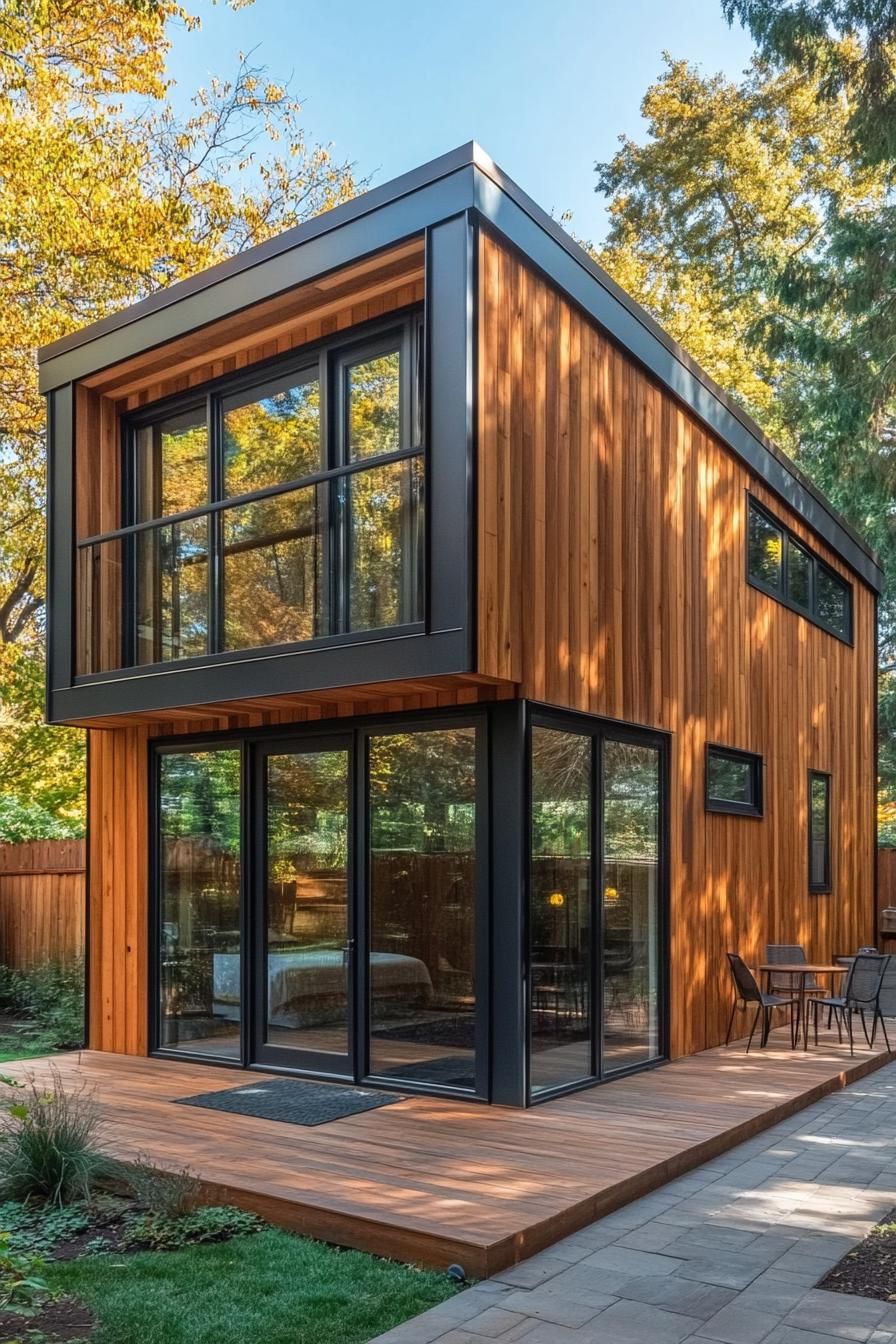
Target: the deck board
(433, 1180)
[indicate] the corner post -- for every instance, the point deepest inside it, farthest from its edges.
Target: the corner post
(450, 362)
(60, 539)
(509, 886)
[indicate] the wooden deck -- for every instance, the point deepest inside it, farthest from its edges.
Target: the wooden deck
(437, 1181)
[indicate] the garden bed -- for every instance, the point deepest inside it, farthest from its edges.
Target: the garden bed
(869, 1270)
(263, 1283)
(128, 1253)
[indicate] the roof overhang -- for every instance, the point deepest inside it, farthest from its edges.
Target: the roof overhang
(464, 180)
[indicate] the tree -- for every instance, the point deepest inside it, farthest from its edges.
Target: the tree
(105, 196)
(732, 179)
(838, 304)
(724, 224)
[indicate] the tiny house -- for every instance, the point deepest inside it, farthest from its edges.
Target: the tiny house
(464, 673)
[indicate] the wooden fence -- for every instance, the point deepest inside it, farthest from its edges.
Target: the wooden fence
(41, 902)
(886, 879)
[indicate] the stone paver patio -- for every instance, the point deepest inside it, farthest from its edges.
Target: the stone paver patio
(731, 1252)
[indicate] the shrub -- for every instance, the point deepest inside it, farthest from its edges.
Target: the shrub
(50, 998)
(49, 1146)
(21, 822)
(37, 1229)
(160, 1232)
(23, 1289)
(170, 1194)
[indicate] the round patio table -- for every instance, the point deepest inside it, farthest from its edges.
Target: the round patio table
(798, 970)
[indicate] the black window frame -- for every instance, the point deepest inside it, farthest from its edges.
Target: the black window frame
(757, 772)
(817, 565)
(826, 885)
(355, 735)
(328, 360)
(600, 730)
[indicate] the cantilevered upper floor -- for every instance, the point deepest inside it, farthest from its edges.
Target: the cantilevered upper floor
(310, 467)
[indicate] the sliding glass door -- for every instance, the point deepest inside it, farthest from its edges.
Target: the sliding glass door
(422, 907)
(322, 903)
(632, 800)
(595, 910)
(304, 969)
(200, 949)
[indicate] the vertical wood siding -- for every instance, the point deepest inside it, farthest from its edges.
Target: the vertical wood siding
(611, 535)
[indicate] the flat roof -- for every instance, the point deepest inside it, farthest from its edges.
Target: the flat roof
(466, 180)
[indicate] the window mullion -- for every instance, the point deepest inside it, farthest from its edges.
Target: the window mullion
(215, 526)
(332, 373)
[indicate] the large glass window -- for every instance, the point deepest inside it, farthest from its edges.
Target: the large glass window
(786, 569)
(308, 989)
(588, 1015)
(560, 903)
(631, 843)
(200, 979)
(422, 875)
(264, 513)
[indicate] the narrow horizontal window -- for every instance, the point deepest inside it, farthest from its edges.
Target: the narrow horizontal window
(733, 781)
(819, 831)
(786, 569)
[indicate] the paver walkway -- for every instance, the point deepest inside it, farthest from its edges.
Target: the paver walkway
(731, 1252)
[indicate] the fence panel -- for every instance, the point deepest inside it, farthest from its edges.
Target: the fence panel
(42, 887)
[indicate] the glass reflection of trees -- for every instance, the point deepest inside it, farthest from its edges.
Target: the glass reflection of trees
(306, 895)
(631, 820)
(310, 558)
(560, 909)
(199, 871)
(422, 809)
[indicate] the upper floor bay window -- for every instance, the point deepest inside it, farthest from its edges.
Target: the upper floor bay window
(272, 509)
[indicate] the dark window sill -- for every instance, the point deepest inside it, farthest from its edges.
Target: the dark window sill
(733, 809)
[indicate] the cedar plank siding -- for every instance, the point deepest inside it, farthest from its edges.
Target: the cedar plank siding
(612, 580)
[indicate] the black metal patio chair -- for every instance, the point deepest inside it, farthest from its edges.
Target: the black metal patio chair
(747, 990)
(861, 994)
(793, 954)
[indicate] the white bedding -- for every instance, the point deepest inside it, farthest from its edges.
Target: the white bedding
(298, 980)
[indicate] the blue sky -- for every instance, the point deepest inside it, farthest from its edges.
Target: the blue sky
(546, 87)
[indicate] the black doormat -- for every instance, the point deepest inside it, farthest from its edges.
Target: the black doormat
(293, 1101)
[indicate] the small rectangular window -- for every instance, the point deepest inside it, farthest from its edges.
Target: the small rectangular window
(819, 831)
(782, 566)
(733, 781)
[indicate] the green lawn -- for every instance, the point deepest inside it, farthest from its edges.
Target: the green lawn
(14, 1045)
(272, 1287)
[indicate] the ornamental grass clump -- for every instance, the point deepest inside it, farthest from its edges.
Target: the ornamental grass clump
(49, 1142)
